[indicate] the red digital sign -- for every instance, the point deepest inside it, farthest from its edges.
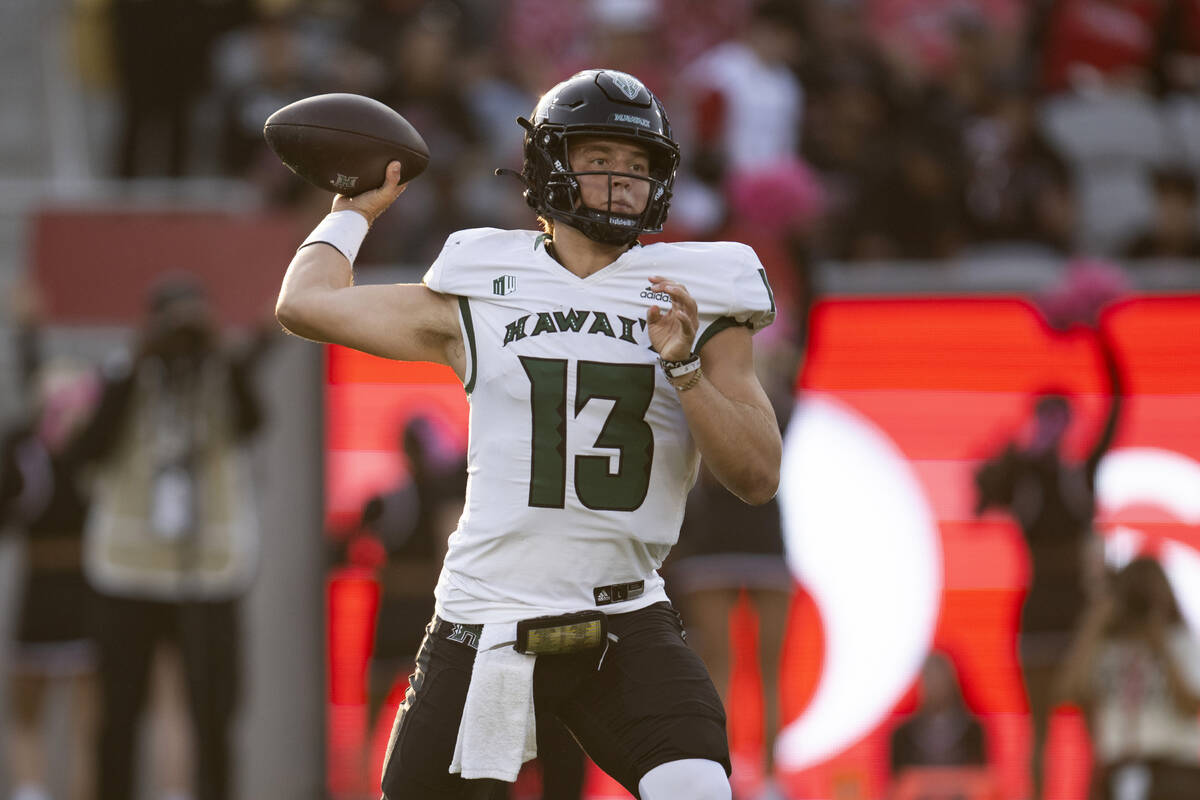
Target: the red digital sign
(900, 399)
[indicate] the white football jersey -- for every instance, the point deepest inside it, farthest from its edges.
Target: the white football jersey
(579, 459)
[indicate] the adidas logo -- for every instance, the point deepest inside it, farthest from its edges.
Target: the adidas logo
(603, 597)
(650, 294)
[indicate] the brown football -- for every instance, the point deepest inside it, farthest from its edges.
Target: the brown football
(344, 142)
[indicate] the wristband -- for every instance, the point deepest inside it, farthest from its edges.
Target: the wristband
(342, 230)
(678, 369)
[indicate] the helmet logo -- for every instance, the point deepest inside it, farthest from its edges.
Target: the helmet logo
(642, 121)
(630, 86)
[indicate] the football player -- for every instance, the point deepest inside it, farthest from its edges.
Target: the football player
(599, 371)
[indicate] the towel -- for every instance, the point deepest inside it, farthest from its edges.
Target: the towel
(497, 733)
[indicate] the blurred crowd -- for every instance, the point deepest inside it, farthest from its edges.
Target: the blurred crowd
(131, 487)
(878, 129)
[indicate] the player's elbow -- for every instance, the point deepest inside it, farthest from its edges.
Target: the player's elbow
(287, 313)
(754, 477)
(759, 486)
(763, 492)
(297, 316)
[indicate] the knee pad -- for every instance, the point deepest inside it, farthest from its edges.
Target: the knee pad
(693, 778)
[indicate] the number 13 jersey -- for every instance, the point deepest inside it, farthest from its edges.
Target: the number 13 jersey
(579, 458)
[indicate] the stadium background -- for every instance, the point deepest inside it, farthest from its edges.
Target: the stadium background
(939, 352)
(885, 357)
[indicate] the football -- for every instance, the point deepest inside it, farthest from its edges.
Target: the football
(344, 142)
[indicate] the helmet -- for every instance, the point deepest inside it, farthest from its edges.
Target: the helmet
(611, 104)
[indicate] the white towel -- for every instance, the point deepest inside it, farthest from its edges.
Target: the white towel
(497, 733)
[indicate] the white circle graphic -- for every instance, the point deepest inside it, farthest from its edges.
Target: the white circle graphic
(862, 539)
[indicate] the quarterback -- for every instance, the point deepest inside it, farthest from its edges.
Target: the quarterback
(599, 371)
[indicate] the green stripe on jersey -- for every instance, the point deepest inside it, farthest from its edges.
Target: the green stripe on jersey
(712, 330)
(762, 273)
(464, 308)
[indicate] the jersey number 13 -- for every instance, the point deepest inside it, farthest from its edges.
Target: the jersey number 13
(631, 388)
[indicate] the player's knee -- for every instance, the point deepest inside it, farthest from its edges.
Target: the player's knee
(693, 778)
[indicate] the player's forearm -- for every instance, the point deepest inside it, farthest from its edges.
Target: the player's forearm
(303, 305)
(738, 440)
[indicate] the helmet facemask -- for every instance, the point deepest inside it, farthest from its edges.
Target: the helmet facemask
(562, 196)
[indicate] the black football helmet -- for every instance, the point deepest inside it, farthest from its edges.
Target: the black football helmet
(611, 104)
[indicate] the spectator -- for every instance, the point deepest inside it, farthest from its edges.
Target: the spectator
(1097, 42)
(943, 732)
(623, 34)
(710, 575)
(412, 522)
(910, 207)
(40, 498)
(746, 101)
(849, 102)
(162, 51)
(694, 28)
(425, 55)
(1134, 669)
(1018, 190)
(496, 90)
(1174, 232)
(1181, 47)
(1052, 499)
(743, 108)
(172, 537)
(943, 42)
(712, 570)
(1181, 82)
(280, 56)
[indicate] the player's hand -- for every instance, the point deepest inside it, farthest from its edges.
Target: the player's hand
(673, 330)
(373, 203)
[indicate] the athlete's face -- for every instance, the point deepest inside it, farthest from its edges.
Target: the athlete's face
(629, 194)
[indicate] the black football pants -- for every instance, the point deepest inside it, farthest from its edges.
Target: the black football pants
(650, 702)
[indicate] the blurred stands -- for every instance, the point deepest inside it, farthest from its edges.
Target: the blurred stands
(24, 149)
(936, 130)
(57, 134)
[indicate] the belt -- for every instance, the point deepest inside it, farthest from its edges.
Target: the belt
(555, 634)
(460, 632)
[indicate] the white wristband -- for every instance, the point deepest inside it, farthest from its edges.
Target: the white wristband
(677, 369)
(343, 230)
